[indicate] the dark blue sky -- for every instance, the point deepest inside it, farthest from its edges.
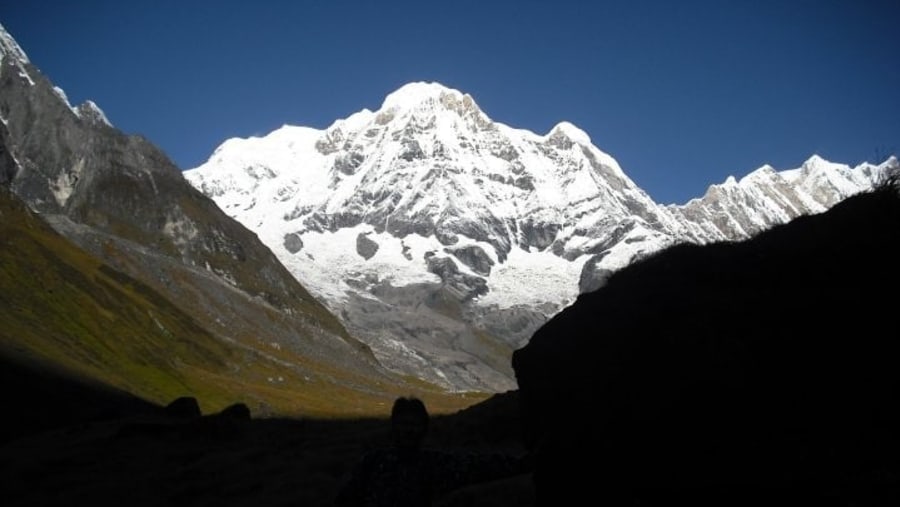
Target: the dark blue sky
(682, 93)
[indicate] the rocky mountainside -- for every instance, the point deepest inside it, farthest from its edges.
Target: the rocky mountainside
(119, 198)
(444, 239)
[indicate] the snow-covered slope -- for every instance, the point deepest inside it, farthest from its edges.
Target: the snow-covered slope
(444, 239)
(428, 171)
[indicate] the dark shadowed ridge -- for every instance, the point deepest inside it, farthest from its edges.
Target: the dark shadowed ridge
(751, 373)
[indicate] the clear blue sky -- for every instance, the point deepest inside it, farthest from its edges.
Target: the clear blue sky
(682, 93)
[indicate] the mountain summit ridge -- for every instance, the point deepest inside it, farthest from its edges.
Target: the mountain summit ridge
(415, 93)
(444, 238)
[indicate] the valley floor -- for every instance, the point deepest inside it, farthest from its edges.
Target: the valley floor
(156, 461)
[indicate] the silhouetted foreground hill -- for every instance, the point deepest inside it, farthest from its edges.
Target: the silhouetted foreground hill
(754, 373)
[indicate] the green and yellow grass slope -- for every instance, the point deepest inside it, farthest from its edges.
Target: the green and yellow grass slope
(64, 310)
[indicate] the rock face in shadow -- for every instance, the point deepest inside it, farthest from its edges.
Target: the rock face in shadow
(729, 374)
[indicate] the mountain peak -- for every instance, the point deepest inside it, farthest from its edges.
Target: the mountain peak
(815, 161)
(415, 93)
(9, 46)
(570, 131)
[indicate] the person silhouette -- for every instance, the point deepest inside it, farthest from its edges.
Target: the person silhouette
(405, 474)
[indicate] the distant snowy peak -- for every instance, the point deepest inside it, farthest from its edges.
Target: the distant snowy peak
(416, 94)
(428, 204)
(825, 182)
(428, 161)
(567, 130)
(737, 209)
(432, 106)
(429, 98)
(428, 215)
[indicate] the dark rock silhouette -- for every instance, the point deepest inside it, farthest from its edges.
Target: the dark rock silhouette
(235, 412)
(184, 407)
(751, 373)
(230, 423)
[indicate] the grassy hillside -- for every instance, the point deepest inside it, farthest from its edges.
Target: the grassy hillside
(66, 312)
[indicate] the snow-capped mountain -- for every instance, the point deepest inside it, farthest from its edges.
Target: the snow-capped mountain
(443, 239)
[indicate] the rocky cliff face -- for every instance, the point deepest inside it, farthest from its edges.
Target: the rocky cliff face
(120, 198)
(444, 239)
